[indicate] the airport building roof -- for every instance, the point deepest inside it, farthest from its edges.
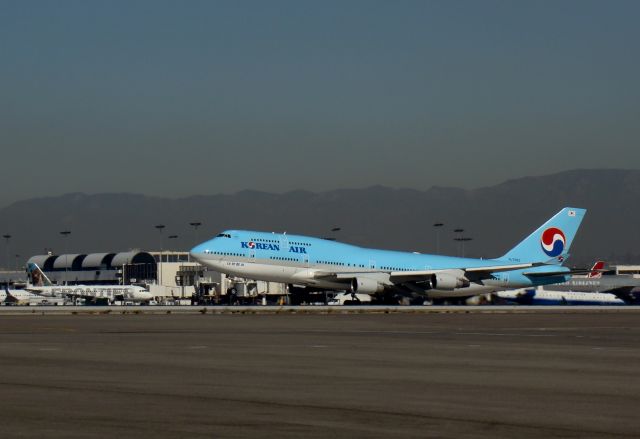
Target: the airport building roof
(132, 257)
(92, 261)
(71, 262)
(45, 262)
(98, 260)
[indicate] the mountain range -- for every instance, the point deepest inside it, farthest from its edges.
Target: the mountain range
(493, 218)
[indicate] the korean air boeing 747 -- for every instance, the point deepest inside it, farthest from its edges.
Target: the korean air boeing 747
(324, 264)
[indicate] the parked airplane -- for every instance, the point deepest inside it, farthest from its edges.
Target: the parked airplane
(626, 287)
(326, 264)
(40, 284)
(17, 297)
(542, 296)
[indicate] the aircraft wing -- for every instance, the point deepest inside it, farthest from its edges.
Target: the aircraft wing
(406, 276)
(34, 290)
(341, 275)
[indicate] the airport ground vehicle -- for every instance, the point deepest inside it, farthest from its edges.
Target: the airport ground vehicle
(350, 299)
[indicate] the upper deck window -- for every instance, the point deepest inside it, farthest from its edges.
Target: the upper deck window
(223, 235)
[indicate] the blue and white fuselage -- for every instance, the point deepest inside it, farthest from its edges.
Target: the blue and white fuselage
(326, 264)
(540, 296)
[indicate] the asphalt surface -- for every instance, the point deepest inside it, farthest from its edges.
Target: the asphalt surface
(317, 376)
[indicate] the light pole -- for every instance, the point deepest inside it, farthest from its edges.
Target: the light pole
(438, 226)
(177, 260)
(195, 225)
(462, 240)
(333, 230)
(65, 234)
(172, 237)
(7, 237)
(160, 227)
(458, 233)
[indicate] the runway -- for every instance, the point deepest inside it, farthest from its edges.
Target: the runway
(457, 375)
(313, 309)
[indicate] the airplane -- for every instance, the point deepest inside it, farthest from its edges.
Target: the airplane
(542, 296)
(623, 286)
(41, 285)
(17, 297)
(327, 264)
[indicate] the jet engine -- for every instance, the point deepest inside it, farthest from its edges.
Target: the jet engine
(449, 280)
(365, 285)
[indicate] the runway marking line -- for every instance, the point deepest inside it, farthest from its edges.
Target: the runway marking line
(498, 334)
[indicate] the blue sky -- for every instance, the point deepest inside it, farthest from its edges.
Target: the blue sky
(200, 97)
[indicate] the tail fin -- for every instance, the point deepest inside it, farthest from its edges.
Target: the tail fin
(550, 243)
(8, 296)
(596, 270)
(37, 276)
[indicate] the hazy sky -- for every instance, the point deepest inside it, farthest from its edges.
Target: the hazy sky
(200, 97)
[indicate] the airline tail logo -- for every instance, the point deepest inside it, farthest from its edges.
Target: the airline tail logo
(553, 241)
(36, 275)
(596, 270)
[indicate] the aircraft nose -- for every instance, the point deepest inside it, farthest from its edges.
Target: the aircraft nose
(197, 252)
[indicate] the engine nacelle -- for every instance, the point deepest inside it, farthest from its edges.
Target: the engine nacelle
(365, 285)
(449, 280)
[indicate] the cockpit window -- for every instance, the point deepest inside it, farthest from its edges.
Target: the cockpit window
(223, 235)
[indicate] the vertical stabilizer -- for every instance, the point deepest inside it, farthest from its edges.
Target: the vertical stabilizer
(37, 276)
(550, 243)
(596, 270)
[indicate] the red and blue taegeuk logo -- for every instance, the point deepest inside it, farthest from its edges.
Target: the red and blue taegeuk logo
(251, 244)
(553, 241)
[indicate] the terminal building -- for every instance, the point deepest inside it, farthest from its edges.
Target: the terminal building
(98, 268)
(633, 270)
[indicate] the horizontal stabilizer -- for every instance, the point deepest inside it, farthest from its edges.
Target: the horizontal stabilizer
(557, 273)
